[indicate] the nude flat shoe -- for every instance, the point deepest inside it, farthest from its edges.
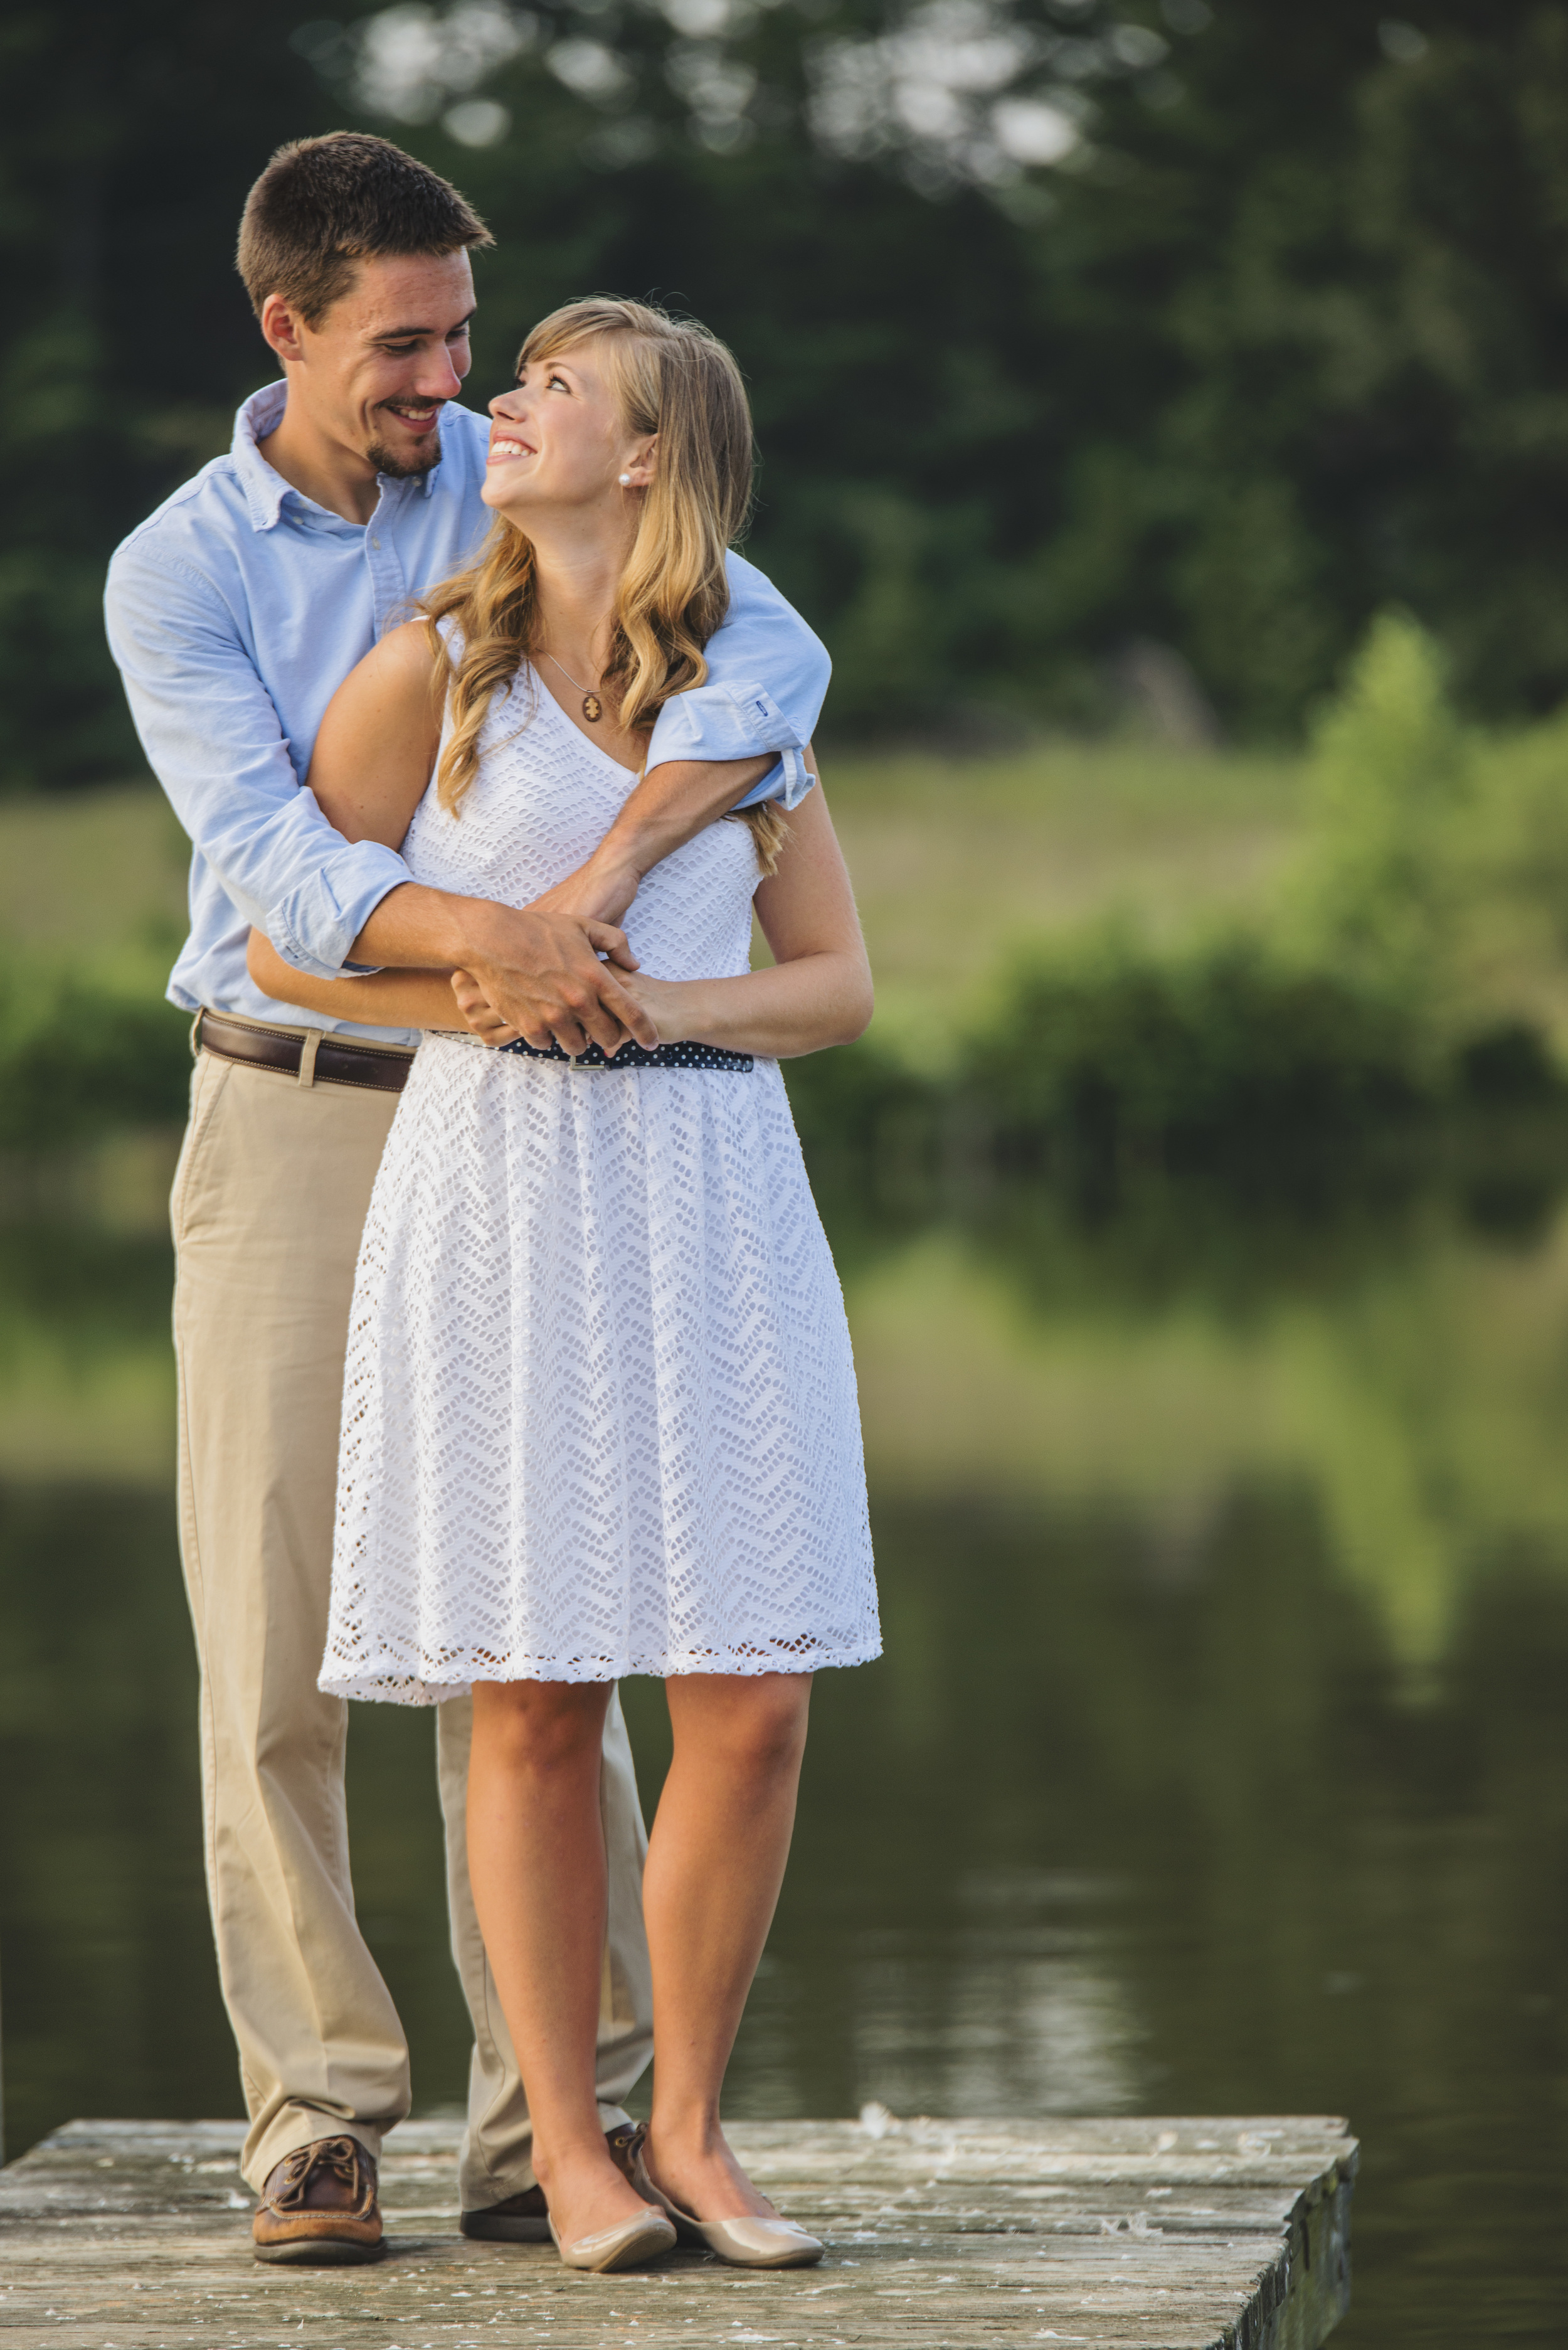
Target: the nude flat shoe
(745, 2243)
(754, 2243)
(626, 2246)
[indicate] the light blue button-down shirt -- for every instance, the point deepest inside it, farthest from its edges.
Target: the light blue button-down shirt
(238, 609)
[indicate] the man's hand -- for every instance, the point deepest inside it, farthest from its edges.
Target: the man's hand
(541, 977)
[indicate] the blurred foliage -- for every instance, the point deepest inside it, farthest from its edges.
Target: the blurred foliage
(1402, 989)
(1384, 992)
(79, 1057)
(1273, 341)
(1114, 1055)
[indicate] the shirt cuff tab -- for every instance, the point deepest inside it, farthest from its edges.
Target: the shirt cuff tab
(787, 782)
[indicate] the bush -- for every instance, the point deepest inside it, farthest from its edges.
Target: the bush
(78, 1060)
(1392, 794)
(1116, 1055)
(858, 1108)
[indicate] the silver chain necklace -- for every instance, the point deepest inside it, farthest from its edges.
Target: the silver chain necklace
(593, 708)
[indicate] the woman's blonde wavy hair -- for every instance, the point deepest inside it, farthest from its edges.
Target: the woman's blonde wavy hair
(674, 378)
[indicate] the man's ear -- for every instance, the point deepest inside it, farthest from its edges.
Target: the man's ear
(282, 327)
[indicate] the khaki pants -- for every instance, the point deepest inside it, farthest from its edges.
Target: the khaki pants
(269, 1199)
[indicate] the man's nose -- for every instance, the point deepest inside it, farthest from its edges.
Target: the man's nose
(438, 379)
(444, 381)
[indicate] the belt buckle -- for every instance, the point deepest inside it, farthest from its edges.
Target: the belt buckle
(586, 1068)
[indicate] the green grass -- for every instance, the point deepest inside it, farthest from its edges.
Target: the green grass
(93, 877)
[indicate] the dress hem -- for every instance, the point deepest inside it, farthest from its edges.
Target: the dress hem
(401, 1686)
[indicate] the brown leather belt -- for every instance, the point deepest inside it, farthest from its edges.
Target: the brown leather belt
(383, 1068)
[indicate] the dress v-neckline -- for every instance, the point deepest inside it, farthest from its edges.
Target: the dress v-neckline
(542, 693)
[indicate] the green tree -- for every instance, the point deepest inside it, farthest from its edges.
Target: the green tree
(1067, 321)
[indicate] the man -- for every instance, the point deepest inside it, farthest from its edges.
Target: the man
(233, 613)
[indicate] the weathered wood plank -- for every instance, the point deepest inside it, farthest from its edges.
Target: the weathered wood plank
(1166, 2235)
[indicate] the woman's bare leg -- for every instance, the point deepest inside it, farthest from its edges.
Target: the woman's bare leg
(536, 1859)
(715, 1862)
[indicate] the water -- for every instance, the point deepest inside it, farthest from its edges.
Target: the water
(1218, 1760)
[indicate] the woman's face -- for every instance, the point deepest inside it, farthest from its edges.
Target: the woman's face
(559, 441)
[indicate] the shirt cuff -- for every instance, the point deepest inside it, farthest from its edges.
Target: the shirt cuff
(787, 782)
(314, 926)
(734, 721)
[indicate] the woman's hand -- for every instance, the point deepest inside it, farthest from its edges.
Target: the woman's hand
(479, 1014)
(670, 1003)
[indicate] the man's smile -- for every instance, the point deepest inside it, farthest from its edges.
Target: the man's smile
(415, 415)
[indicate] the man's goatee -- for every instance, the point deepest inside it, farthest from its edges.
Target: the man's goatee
(406, 469)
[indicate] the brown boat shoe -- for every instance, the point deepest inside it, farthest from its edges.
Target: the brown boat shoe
(318, 2208)
(524, 2217)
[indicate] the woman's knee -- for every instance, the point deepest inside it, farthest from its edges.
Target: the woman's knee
(755, 1724)
(540, 1725)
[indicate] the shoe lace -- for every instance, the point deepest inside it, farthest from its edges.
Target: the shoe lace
(339, 2156)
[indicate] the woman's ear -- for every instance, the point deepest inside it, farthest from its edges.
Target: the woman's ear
(642, 467)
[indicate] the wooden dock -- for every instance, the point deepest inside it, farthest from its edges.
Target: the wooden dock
(1168, 2235)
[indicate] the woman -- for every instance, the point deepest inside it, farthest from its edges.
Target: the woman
(600, 1410)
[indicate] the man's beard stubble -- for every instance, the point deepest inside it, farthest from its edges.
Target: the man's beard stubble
(424, 459)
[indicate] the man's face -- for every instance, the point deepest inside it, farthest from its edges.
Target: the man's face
(375, 371)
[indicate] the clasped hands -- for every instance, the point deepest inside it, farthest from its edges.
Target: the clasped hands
(561, 970)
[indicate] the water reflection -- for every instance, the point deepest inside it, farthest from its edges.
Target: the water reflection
(1218, 1760)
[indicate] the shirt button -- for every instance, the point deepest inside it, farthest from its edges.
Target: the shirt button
(376, 542)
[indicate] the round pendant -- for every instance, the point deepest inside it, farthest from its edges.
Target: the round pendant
(593, 709)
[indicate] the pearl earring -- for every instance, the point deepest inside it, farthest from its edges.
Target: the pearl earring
(624, 480)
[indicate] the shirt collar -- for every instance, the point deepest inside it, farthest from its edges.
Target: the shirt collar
(265, 489)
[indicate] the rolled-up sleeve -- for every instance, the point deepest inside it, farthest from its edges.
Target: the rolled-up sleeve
(211, 736)
(767, 677)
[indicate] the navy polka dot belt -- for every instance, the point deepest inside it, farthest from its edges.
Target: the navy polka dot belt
(635, 1056)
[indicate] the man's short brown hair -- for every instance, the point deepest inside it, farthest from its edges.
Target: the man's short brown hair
(322, 204)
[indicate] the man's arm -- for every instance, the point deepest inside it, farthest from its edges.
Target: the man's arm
(767, 677)
(731, 742)
(212, 737)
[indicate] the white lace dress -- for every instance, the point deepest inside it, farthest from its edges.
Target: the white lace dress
(600, 1413)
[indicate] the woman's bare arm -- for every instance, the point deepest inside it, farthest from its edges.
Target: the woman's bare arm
(382, 999)
(819, 991)
(378, 740)
(372, 764)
